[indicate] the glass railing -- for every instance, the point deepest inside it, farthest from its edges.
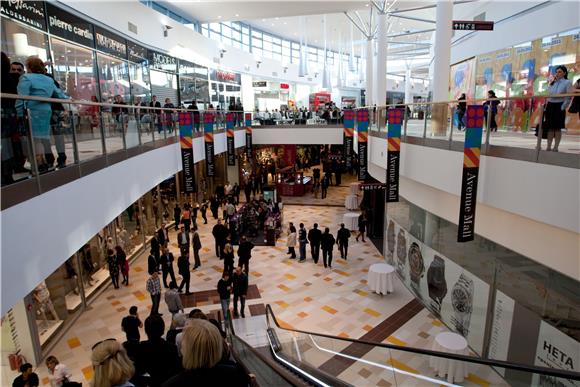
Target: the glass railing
(347, 360)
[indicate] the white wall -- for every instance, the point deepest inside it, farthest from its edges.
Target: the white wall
(513, 208)
(299, 135)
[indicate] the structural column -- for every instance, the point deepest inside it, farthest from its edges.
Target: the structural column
(408, 87)
(381, 82)
(369, 72)
(440, 80)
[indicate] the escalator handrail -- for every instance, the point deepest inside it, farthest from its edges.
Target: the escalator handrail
(487, 362)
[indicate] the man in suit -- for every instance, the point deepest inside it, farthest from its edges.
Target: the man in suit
(167, 266)
(183, 269)
(156, 113)
(156, 251)
(244, 255)
(220, 233)
(314, 238)
(342, 240)
(162, 236)
(196, 247)
(183, 240)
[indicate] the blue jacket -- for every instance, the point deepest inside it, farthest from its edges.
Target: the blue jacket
(37, 85)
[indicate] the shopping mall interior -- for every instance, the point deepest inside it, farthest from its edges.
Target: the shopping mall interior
(269, 193)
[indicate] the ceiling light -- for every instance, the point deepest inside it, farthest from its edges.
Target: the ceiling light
(263, 19)
(367, 4)
(277, 18)
(237, 14)
(219, 17)
(272, 24)
(285, 23)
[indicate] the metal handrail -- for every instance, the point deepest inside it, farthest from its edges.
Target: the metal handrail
(487, 362)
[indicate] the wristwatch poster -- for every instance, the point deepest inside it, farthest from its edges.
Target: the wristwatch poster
(401, 254)
(391, 237)
(462, 302)
(436, 282)
(416, 266)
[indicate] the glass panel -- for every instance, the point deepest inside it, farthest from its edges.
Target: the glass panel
(246, 39)
(216, 27)
(226, 31)
(19, 42)
(256, 43)
(256, 34)
(74, 70)
(267, 38)
(215, 35)
(113, 78)
(267, 46)
(140, 82)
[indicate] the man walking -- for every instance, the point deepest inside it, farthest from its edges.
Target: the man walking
(324, 185)
(327, 242)
(154, 289)
(196, 247)
(177, 215)
(302, 240)
(314, 239)
(131, 324)
(173, 300)
(167, 266)
(162, 236)
(156, 250)
(342, 240)
(224, 287)
(244, 255)
(240, 287)
(183, 240)
(183, 269)
(219, 233)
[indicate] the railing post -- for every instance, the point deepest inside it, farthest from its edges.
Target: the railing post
(406, 119)
(540, 133)
(451, 127)
(32, 152)
(74, 139)
(123, 129)
(425, 121)
(488, 130)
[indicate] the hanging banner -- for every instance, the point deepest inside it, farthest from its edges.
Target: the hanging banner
(471, 153)
(208, 119)
(248, 117)
(395, 118)
(230, 139)
(362, 126)
(347, 139)
(185, 134)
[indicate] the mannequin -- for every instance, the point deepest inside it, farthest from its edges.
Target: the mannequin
(41, 296)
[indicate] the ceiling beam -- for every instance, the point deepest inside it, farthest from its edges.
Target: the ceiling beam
(367, 29)
(413, 43)
(362, 28)
(413, 18)
(411, 33)
(428, 7)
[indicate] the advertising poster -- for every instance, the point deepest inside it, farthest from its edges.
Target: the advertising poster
(395, 118)
(362, 125)
(231, 149)
(462, 79)
(185, 141)
(248, 121)
(503, 316)
(348, 135)
(556, 350)
(455, 295)
(471, 155)
(208, 119)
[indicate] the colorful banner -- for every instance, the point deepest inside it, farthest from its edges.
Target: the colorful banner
(471, 153)
(208, 120)
(230, 139)
(185, 140)
(348, 136)
(248, 119)
(395, 118)
(362, 125)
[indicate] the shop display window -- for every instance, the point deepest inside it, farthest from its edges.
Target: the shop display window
(140, 82)
(113, 78)
(20, 42)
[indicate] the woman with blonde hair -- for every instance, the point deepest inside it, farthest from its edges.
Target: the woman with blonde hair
(112, 367)
(228, 257)
(202, 348)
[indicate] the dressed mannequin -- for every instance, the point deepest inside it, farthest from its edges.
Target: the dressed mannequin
(71, 275)
(43, 302)
(88, 265)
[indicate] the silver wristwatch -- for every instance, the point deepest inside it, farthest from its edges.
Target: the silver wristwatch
(462, 301)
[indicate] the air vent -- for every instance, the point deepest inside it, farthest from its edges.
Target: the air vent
(132, 28)
(274, 74)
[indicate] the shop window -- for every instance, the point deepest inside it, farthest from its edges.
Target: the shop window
(19, 42)
(140, 83)
(74, 69)
(113, 78)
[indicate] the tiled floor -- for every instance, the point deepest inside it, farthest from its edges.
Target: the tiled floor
(303, 296)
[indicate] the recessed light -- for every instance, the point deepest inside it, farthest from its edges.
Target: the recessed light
(237, 15)
(285, 23)
(219, 17)
(277, 18)
(367, 4)
(263, 19)
(272, 24)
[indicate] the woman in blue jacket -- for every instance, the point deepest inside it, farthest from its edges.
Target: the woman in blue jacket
(36, 83)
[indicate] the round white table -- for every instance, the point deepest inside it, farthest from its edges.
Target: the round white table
(350, 220)
(351, 202)
(380, 278)
(454, 343)
(354, 188)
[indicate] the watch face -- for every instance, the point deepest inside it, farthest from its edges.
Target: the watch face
(391, 237)
(436, 279)
(460, 300)
(416, 259)
(401, 247)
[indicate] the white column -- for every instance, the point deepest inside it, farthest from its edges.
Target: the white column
(408, 84)
(381, 82)
(369, 73)
(440, 80)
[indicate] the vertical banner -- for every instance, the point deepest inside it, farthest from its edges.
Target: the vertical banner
(248, 119)
(362, 126)
(208, 119)
(347, 140)
(230, 139)
(395, 118)
(471, 153)
(185, 140)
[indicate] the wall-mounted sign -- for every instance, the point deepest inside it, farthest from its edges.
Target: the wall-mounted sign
(259, 84)
(225, 76)
(185, 140)
(27, 12)
(136, 53)
(69, 26)
(472, 25)
(110, 43)
(284, 86)
(162, 61)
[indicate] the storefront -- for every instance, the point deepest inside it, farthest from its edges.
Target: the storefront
(225, 89)
(273, 95)
(163, 75)
(193, 84)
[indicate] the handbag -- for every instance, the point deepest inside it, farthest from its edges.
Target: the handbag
(575, 106)
(544, 132)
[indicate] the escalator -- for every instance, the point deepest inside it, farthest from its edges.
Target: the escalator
(299, 358)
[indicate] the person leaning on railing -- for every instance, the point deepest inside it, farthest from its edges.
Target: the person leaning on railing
(555, 110)
(36, 83)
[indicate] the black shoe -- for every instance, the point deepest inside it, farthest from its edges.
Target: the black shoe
(243, 315)
(179, 291)
(187, 293)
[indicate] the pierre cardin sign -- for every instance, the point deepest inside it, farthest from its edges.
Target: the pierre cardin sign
(136, 53)
(161, 61)
(27, 12)
(110, 43)
(69, 26)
